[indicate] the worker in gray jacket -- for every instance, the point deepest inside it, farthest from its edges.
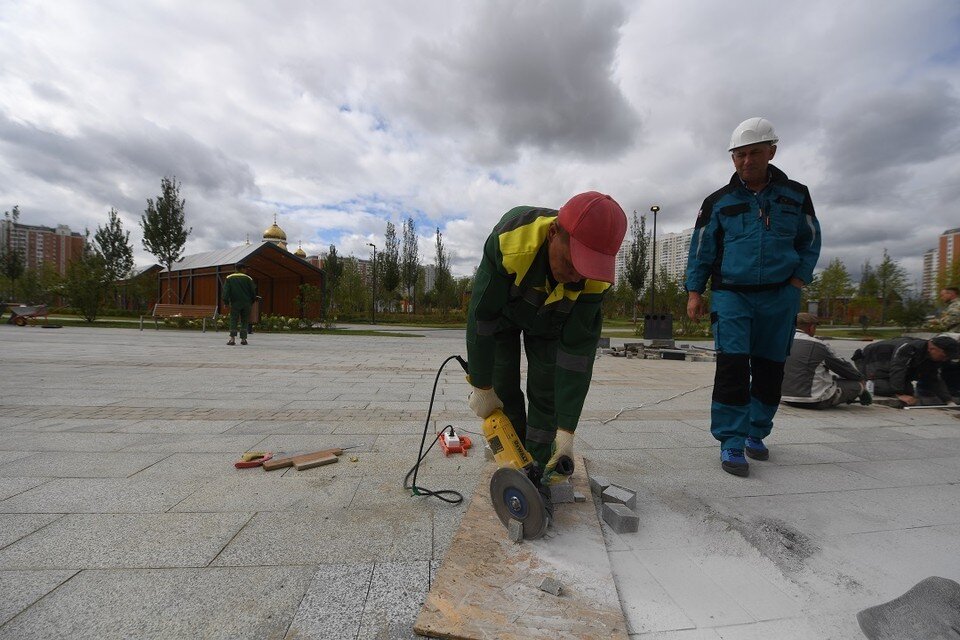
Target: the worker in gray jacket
(814, 376)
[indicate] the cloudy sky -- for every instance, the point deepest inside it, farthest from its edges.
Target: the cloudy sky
(341, 115)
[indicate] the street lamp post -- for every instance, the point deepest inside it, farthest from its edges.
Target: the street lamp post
(653, 276)
(373, 308)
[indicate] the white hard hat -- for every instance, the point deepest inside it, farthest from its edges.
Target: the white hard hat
(752, 131)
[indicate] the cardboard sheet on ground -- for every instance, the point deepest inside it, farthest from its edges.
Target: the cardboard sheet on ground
(488, 586)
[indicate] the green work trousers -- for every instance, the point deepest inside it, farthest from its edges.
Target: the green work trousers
(239, 314)
(536, 426)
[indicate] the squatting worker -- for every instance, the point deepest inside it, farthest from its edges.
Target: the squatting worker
(757, 240)
(239, 292)
(543, 275)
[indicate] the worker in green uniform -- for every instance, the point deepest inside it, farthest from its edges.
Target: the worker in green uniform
(239, 292)
(542, 275)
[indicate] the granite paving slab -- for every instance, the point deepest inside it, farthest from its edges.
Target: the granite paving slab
(98, 541)
(75, 465)
(13, 486)
(100, 495)
(330, 610)
(256, 491)
(14, 526)
(167, 603)
(20, 589)
(341, 536)
(396, 594)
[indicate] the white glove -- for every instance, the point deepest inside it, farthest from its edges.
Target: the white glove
(562, 446)
(484, 402)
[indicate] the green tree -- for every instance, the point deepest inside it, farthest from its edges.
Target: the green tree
(442, 283)
(619, 300)
(85, 285)
(163, 223)
(833, 285)
(637, 258)
(868, 287)
(351, 293)
(333, 269)
(460, 289)
(113, 245)
(12, 260)
(912, 312)
(311, 303)
(389, 274)
(891, 283)
(410, 261)
(39, 285)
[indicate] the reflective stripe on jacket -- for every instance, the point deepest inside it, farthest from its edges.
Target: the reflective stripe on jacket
(239, 290)
(514, 287)
(745, 241)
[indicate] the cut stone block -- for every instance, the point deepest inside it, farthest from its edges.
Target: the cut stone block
(617, 494)
(515, 530)
(620, 518)
(598, 484)
(551, 585)
(561, 492)
(579, 497)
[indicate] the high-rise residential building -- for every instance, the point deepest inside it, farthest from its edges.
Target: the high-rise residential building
(56, 247)
(672, 249)
(949, 250)
(929, 280)
(939, 261)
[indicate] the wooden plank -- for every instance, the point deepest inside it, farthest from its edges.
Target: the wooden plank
(317, 461)
(289, 461)
(488, 587)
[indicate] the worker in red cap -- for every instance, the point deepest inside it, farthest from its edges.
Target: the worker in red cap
(543, 275)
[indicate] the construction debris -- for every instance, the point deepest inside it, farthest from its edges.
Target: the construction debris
(550, 585)
(598, 484)
(690, 353)
(515, 530)
(561, 492)
(618, 494)
(620, 518)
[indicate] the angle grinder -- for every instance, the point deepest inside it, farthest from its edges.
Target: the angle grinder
(517, 489)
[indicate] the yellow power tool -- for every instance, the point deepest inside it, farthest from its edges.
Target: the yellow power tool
(516, 490)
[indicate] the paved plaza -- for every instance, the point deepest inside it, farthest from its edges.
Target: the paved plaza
(122, 516)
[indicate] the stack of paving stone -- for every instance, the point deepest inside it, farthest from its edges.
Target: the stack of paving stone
(619, 505)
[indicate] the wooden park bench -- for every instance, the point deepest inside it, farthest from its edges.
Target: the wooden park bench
(192, 311)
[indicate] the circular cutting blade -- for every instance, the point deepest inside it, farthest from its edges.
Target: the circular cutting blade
(515, 497)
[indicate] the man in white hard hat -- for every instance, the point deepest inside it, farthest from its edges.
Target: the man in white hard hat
(757, 240)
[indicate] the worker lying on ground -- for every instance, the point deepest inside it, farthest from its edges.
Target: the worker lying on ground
(894, 365)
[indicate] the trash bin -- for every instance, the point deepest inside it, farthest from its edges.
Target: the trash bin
(658, 326)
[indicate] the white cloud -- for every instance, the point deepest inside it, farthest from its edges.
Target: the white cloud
(343, 115)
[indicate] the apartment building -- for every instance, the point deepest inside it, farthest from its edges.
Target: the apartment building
(57, 246)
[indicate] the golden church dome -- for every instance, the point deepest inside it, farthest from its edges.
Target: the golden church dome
(274, 233)
(300, 253)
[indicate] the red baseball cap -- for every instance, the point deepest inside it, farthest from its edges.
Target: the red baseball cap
(596, 225)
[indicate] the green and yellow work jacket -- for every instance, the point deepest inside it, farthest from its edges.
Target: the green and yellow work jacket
(514, 287)
(239, 290)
